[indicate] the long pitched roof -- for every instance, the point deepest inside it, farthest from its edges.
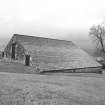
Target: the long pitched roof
(54, 54)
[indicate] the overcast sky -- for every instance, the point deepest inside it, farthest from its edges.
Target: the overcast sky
(50, 18)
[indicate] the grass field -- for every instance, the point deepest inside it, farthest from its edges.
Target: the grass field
(34, 89)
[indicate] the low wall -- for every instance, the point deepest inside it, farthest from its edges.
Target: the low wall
(8, 60)
(80, 70)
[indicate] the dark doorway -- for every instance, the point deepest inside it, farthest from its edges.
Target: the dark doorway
(2, 54)
(13, 50)
(27, 60)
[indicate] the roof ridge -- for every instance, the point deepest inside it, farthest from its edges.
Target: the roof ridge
(42, 37)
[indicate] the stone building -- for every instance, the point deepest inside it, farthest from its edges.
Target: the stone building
(49, 54)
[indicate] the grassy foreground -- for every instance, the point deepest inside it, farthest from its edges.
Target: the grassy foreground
(34, 89)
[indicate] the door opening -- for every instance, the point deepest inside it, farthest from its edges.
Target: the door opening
(13, 50)
(27, 60)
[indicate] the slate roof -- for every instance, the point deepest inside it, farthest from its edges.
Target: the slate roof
(54, 54)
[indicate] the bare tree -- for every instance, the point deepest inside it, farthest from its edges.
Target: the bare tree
(98, 35)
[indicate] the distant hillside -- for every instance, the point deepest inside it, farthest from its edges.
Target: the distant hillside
(88, 46)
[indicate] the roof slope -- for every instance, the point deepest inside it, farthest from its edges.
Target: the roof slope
(54, 54)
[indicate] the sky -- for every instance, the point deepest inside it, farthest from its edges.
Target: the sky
(62, 19)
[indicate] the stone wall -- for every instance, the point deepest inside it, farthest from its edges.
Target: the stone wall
(19, 50)
(81, 70)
